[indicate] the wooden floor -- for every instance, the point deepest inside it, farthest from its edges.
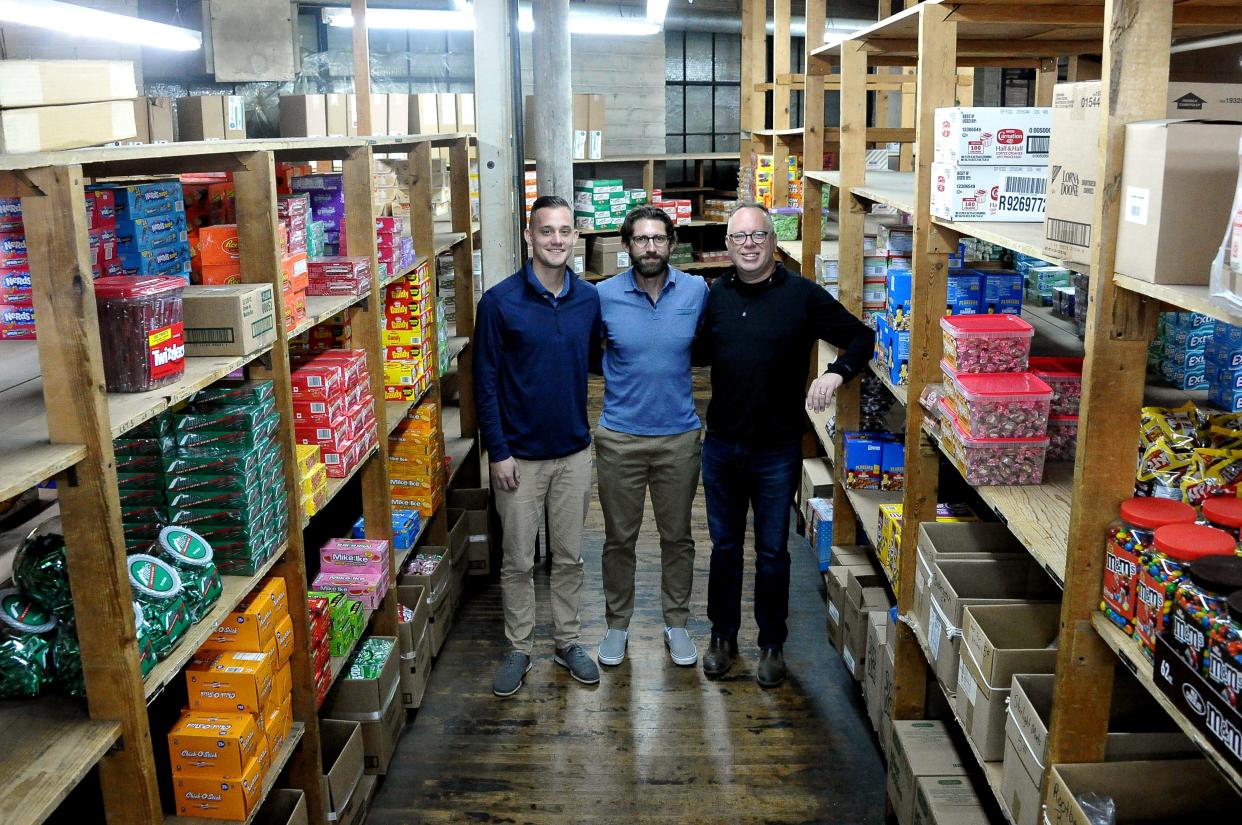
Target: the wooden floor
(653, 742)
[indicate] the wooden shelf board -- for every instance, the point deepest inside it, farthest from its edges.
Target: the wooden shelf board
(866, 504)
(1053, 335)
(662, 158)
(830, 177)
(235, 589)
(895, 189)
(695, 266)
(900, 391)
(278, 764)
(1026, 237)
(396, 276)
(1130, 654)
(338, 662)
(1037, 515)
(781, 133)
(320, 308)
(335, 485)
(49, 745)
(446, 241)
(26, 455)
(1190, 298)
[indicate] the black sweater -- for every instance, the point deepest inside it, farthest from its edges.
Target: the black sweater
(758, 339)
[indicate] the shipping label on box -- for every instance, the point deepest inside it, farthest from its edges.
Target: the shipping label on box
(988, 193)
(992, 136)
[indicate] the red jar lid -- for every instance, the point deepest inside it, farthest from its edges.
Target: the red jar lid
(1187, 542)
(1156, 512)
(1223, 510)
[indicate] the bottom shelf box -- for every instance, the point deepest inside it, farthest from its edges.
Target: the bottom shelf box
(1206, 709)
(342, 766)
(284, 806)
(1185, 790)
(416, 670)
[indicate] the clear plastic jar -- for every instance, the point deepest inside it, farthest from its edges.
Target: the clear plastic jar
(986, 343)
(1062, 437)
(1223, 668)
(141, 331)
(991, 462)
(1175, 547)
(1064, 376)
(1224, 513)
(26, 629)
(1198, 603)
(999, 405)
(1130, 536)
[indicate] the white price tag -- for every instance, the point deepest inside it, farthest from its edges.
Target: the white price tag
(1137, 199)
(834, 613)
(933, 634)
(966, 684)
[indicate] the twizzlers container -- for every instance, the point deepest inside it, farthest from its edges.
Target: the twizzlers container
(140, 328)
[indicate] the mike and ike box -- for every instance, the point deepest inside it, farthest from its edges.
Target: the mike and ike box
(214, 798)
(230, 680)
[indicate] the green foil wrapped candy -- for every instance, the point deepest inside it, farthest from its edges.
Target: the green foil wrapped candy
(41, 569)
(191, 556)
(25, 646)
(68, 657)
(157, 587)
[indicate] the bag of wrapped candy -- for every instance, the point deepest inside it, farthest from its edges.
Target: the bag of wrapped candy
(190, 555)
(26, 634)
(157, 588)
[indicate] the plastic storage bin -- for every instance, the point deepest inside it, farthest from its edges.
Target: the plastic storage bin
(1062, 437)
(140, 330)
(1130, 539)
(1064, 375)
(986, 343)
(992, 462)
(998, 404)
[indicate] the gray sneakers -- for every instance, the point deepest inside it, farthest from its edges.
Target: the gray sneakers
(580, 666)
(612, 648)
(680, 646)
(509, 675)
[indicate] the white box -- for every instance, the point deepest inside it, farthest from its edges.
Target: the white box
(988, 193)
(993, 136)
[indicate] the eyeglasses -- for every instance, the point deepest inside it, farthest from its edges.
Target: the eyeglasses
(739, 238)
(649, 240)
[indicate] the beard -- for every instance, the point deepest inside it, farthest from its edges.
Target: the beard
(649, 266)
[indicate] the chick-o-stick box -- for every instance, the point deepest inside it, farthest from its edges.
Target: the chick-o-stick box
(219, 745)
(214, 798)
(230, 680)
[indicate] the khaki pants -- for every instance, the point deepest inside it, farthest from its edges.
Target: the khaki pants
(628, 465)
(563, 484)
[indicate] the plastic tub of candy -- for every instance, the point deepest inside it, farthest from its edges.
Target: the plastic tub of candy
(141, 332)
(998, 404)
(1062, 437)
(1064, 375)
(986, 343)
(992, 462)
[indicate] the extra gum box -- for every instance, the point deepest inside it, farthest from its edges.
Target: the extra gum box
(354, 556)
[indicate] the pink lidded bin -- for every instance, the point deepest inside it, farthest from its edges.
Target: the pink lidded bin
(986, 343)
(999, 404)
(992, 462)
(1062, 437)
(1064, 375)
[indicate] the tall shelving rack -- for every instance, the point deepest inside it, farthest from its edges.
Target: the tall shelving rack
(61, 425)
(1062, 522)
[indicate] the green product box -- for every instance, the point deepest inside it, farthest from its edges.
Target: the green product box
(234, 392)
(606, 185)
(253, 496)
(152, 479)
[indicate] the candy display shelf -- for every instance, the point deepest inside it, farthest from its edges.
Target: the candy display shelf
(279, 761)
(1132, 657)
(398, 410)
(1184, 297)
(49, 744)
(866, 504)
(456, 446)
(448, 240)
(320, 308)
(234, 590)
(335, 485)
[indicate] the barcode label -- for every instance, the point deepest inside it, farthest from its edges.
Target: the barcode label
(1070, 232)
(1136, 205)
(248, 657)
(1026, 186)
(209, 335)
(1037, 144)
(263, 326)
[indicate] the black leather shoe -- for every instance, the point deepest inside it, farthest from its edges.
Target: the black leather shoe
(771, 670)
(719, 657)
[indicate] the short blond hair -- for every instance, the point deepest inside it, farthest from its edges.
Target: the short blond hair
(767, 216)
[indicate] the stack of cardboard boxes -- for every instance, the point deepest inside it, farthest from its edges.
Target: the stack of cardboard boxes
(47, 105)
(211, 117)
(369, 693)
(359, 569)
(416, 459)
(603, 203)
(332, 391)
(408, 335)
(336, 115)
(991, 163)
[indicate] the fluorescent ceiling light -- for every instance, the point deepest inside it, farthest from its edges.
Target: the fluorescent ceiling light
(463, 20)
(656, 10)
(79, 21)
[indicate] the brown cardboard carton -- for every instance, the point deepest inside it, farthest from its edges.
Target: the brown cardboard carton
(398, 117)
(863, 594)
(283, 806)
(342, 763)
(381, 728)
(49, 128)
(303, 116)
(355, 812)
(413, 596)
(211, 117)
(233, 319)
(433, 584)
(873, 677)
(595, 122)
(1213, 101)
(1176, 173)
(141, 128)
(836, 579)
(160, 120)
(816, 480)
(1183, 790)
(919, 749)
(416, 670)
(441, 620)
(886, 696)
(363, 700)
(25, 83)
(947, 800)
(1073, 171)
(336, 108)
(581, 125)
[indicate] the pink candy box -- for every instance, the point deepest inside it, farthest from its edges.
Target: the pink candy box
(354, 556)
(986, 343)
(1064, 375)
(367, 588)
(998, 404)
(992, 462)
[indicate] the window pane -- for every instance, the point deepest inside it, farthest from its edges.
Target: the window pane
(674, 144)
(672, 56)
(674, 119)
(698, 56)
(698, 143)
(728, 142)
(698, 109)
(728, 57)
(726, 116)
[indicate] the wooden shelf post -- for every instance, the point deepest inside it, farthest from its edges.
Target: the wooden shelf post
(463, 276)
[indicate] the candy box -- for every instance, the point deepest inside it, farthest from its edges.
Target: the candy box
(214, 798)
(1064, 377)
(220, 744)
(13, 250)
(16, 287)
(17, 322)
(154, 231)
(863, 459)
(986, 462)
(309, 183)
(141, 332)
(229, 680)
(366, 588)
(986, 343)
(962, 293)
(893, 465)
(1000, 289)
(145, 199)
(317, 382)
(318, 413)
(250, 627)
(998, 405)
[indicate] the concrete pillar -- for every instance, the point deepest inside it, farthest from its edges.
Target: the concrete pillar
(553, 120)
(501, 196)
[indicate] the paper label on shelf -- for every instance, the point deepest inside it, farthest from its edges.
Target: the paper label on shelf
(1137, 199)
(933, 634)
(848, 658)
(833, 613)
(966, 684)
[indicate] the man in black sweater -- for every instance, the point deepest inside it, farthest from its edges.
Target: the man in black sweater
(758, 331)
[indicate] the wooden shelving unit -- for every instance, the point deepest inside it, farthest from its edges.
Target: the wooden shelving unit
(1061, 522)
(57, 422)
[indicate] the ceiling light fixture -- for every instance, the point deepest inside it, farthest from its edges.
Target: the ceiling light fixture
(79, 21)
(463, 20)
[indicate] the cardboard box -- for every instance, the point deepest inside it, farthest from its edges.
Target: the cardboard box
(1175, 173)
(228, 320)
(398, 117)
(1201, 703)
(595, 123)
(211, 117)
(863, 594)
(230, 680)
(216, 798)
(49, 128)
(887, 678)
(920, 749)
(958, 540)
(153, 119)
(873, 679)
(342, 763)
(424, 114)
(1138, 729)
(988, 193)
(475, 528)
(1184, 790)
(26, 83)
(355, 812)
(953, 585)
(816, 480)
(440, 621)
(836, 580)
(1073, 171)
(416, 670)
(992, 136)
(283, 806)
(219, 745)
(336, 108)
(999, 641)
(1212, 101)
(946, 800)
(581, 125)
(377, 705)
(303, 116)
(413, 596)
(433, 584)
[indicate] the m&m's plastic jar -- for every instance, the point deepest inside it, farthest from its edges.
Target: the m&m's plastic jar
(1224, 513)
(1175, 547)
(1224, 653)
(1129, 537)
(1199, 603)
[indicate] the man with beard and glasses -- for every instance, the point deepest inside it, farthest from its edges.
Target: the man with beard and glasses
(758, 330)
(532, 349)
(649, 433)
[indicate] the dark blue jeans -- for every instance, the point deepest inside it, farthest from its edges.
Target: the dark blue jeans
(737, 477)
